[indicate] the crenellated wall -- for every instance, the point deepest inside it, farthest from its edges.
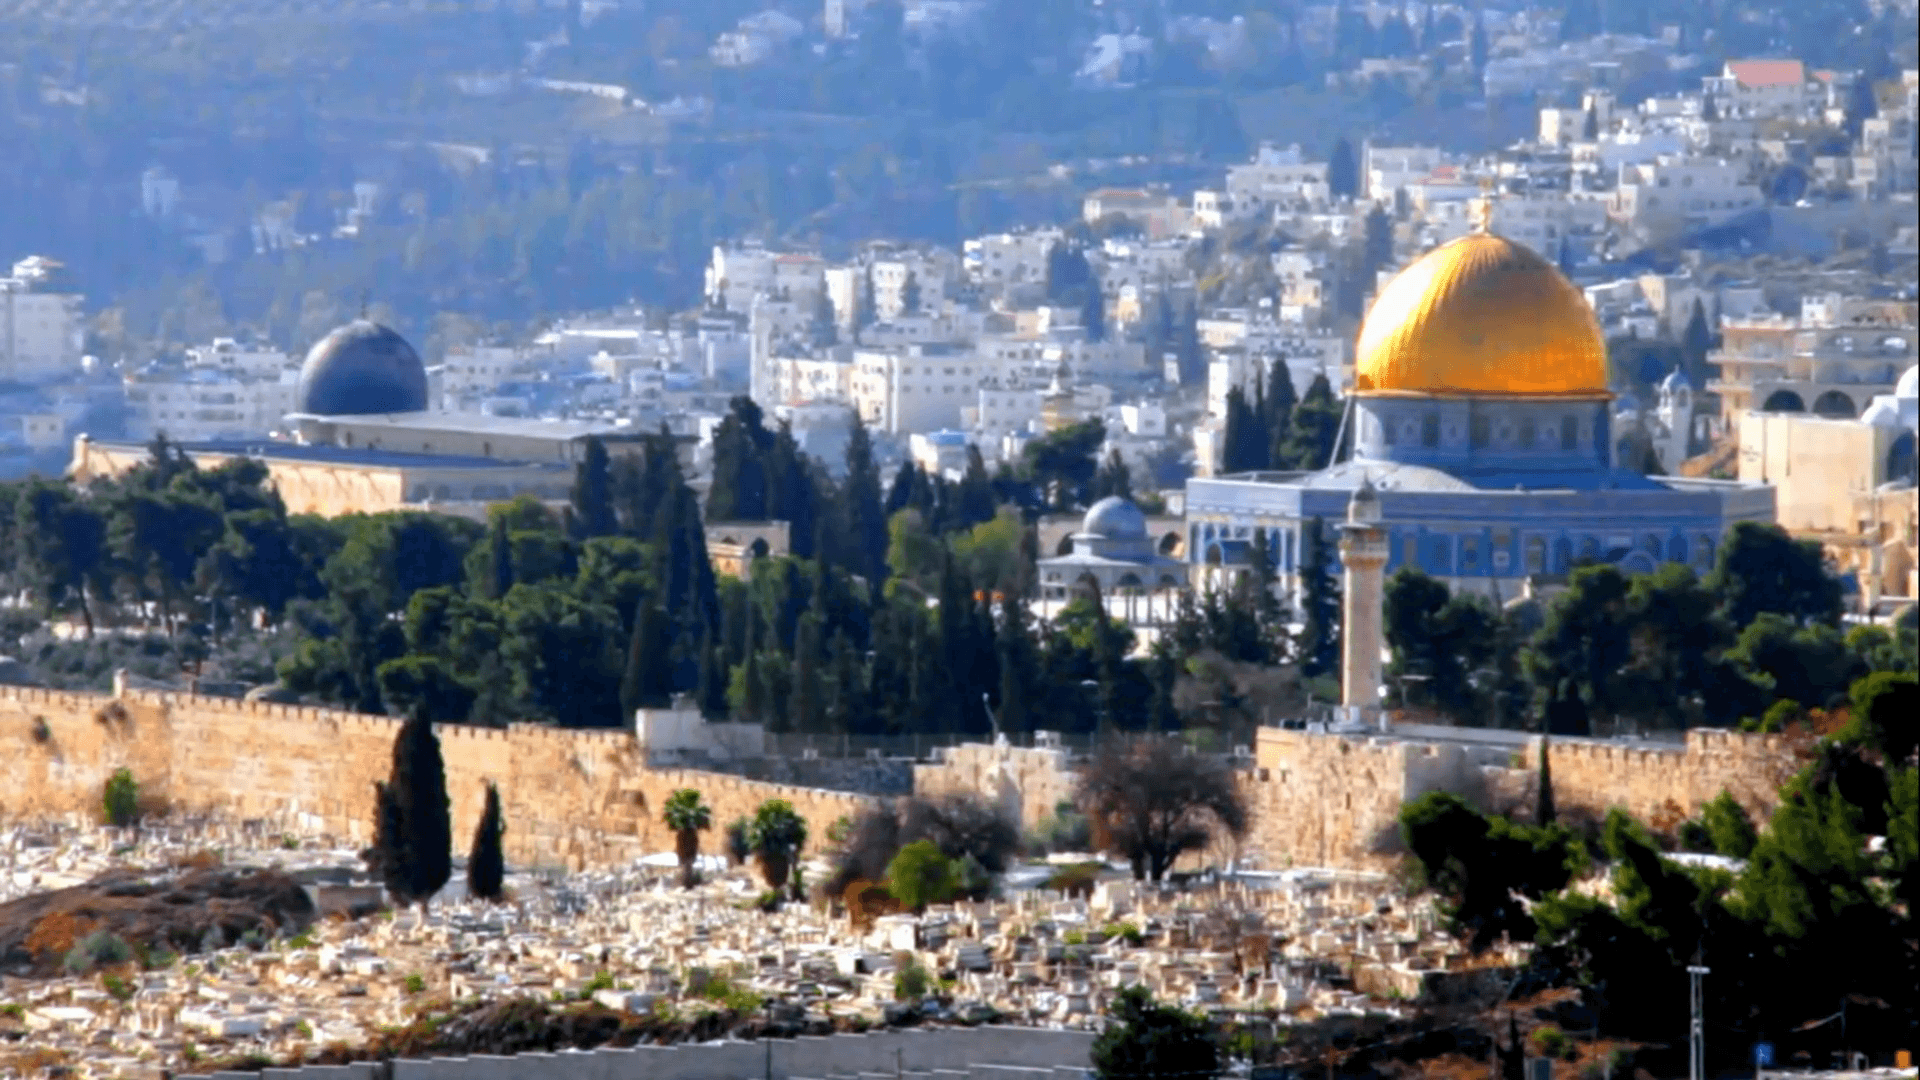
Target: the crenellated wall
(580, 798)
(1322, 799)
(570, 798)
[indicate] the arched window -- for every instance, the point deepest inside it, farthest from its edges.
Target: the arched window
(1569, 433)
(1536, 555)
(1529, 432)
(1478, 430)
(1430, 429)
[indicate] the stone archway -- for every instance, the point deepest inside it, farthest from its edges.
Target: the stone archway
(1784, 401)
(1836, 405)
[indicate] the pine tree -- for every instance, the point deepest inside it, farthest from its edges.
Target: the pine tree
(486, 861)
(1236, 433)
(592, 497)
(413, 831)
(1319, 649)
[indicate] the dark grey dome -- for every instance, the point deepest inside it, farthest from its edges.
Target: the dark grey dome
(361, 368)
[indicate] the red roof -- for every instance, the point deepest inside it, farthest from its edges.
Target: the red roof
(1757, 73)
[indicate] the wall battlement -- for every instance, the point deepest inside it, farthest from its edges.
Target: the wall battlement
(571, 798)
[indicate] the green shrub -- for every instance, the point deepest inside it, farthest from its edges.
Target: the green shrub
(920, 875)
(416, 984)
(1126, 931)
(116, 987)
(1550, 1042)
(911, 981)
(602, 980)
(1075, 880)
(120, 804)
(97, 950)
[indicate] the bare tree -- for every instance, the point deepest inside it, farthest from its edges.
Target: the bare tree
(1155, 800)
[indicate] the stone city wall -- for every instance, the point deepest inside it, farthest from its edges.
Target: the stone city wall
(578, 798)
(571, 798)
(1026, 782)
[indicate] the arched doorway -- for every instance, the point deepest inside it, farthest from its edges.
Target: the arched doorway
(1900, 457)
(1065, 546)
(1784, 401)
(1834, 404)
(1173, 545)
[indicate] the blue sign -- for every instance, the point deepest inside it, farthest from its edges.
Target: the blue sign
(1763, 1053)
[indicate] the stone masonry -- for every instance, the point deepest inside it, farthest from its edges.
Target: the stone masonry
(571, 798)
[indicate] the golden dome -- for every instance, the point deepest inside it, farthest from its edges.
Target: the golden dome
(1481, 315)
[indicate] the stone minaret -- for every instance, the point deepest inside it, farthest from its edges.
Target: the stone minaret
(1363, 555)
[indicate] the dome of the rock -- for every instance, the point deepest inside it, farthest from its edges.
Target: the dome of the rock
(1481, 316)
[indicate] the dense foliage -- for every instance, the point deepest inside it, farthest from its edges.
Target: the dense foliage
(1667, 649)
(1830, 875)
(1148, 1040)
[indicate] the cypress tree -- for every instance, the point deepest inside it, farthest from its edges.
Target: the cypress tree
(647, 680)
(1543, 809)
(807, 709)
(712, 688)
(1315, 425)
(1233, 436)
(486, 863)
(500, 554)
(413, 829)
(866, 517)
(592, 497)
(1319, 651)
(1017, 667)
(1280, 404)
(1343, 170)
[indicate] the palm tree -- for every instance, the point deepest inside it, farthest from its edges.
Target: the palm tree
(686, 815)
(776, 836)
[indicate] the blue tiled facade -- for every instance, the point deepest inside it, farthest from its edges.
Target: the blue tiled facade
(1482, 492)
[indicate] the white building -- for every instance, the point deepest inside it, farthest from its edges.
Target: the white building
(1277, 177)
(1009, 258)
(202, 404)
(735, 275)
(470, 370)
(1682, 193)
(41, 328)
(1761, 90)
(1386, 169)
(914, 388)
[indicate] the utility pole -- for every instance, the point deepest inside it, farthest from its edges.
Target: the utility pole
(1697, 1036)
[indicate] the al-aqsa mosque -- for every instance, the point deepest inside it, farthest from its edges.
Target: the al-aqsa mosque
(1479, 419)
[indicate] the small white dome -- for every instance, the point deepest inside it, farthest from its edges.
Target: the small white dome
(1115, 518)
(1909, 385)
(1882, 413)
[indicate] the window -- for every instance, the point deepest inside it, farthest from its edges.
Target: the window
(1387, 434)
(1469, 554)
(1569, 433)
(1478, 426)
(1536, 555)
(1430, 429)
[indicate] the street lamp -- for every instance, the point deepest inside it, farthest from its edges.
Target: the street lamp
(1697, 1035)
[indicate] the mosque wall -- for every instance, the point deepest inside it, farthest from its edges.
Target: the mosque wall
(571, 798)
